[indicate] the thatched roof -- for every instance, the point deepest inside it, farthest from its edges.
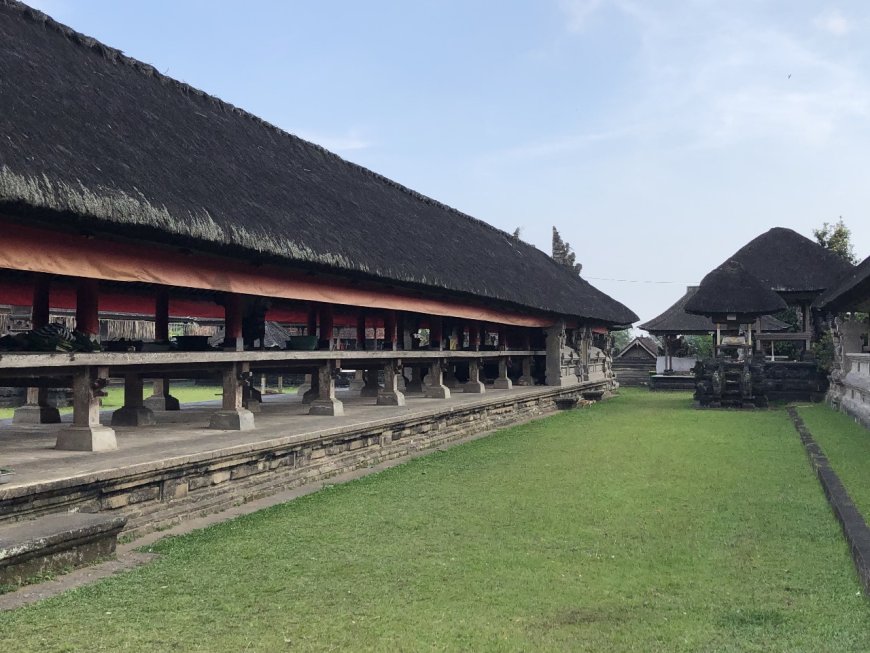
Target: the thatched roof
(790, 263)
(97, 140)
(646, 343)
(851, 293)
(730, 288)
(676, 321)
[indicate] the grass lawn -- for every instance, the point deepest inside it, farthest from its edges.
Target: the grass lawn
(638, 524)
(847, 446)
(184, 393)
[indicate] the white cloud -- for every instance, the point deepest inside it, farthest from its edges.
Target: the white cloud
(833, 22)
(577, 12)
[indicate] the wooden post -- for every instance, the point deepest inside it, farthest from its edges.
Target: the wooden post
(474, 337)
(326, 328)
(502, 338)
(88, 307)
(474, 385)
(233, 416)
(311, 324)
(361, 332)
(37, 409)
(390, 331)
(326, 403)
(161, 316)
(133, 412)
(233, 314)
(435, 332)
(86, 433)
(390, 394)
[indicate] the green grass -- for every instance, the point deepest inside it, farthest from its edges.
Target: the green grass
(847, 446)
(638, 524)
(184, 393)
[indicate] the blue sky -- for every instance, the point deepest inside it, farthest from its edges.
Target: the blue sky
(659, 137)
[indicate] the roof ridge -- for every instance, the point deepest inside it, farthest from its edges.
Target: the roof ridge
(117, 56)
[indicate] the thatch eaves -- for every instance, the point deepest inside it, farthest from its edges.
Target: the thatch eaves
(851, 293)
(788, 262)
(676, 321)
(731, 289)
(97, 140)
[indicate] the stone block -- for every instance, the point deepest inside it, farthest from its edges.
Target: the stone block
(175, 489)
(329, 407)
(86, 438)
(232, 420)
(33, 414)
(115, 501)
(147, 493)
(220, 477)
(133, 416)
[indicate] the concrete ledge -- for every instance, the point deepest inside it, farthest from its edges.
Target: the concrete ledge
(55, 542)
(854, 527)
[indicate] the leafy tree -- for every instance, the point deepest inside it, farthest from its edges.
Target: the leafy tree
(699, 346)
(621, 338)
(563, 254)
(837, 238)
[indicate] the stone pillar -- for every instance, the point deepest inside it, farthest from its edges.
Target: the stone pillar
(232, 416)
(450, 379)
(160, 398)
(37, 409)
(474, 385)
(526, 378)
(555, 342)
(390, 394)
(133, 412)
(233, 314)
(371, 387)
(434, 387)
(305, 388)
(86, 433)
(313, 391)
(503, 382)
(327, 324)
(357, 382)
(416, 382)
(326, 403)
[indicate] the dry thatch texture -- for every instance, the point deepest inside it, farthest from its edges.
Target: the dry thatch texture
(731, 289)
(95, 137)
(676, 321)
(851, 293)
(790, 263)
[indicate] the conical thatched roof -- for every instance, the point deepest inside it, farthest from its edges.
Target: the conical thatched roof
(92, 139)
(676, 321)
(851, 293)
(731, 289)
(787, 262)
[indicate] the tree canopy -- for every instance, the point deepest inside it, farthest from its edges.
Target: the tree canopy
(837, 238)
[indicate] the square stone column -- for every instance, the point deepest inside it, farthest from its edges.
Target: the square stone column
(160, 398)
(86, 433)
(390, 394)
(133, 412)
(305, 387)
(313, 391)
(357, 382)
(526, 378)
(370, 387)
(233, 416)
(450, 379)
(37, 410)
(503, 382)
(474, 385)
(434, 387)
(326, 403)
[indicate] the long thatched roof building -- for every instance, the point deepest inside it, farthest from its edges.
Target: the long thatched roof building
(97, 145)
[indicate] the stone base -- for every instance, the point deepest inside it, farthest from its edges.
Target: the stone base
(303, 389)
(355, 385)
(133, 416)
(387, 398)
(310, 395)
(33, 414)
(253, 405)
(436, 392)
(502, 384)
(525, 381)
(331, 407)
(86, 438)
(414, 387)
(369, 391)
(474, 387)
(232, 420)
(159, 404)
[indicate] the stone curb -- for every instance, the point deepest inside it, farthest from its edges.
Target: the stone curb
(855, 528)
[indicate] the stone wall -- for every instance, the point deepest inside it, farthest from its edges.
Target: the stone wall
(156, 495)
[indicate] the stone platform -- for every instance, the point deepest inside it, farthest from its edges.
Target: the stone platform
(178, 468)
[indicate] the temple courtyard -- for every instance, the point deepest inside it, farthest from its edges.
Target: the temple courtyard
(633, 524)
